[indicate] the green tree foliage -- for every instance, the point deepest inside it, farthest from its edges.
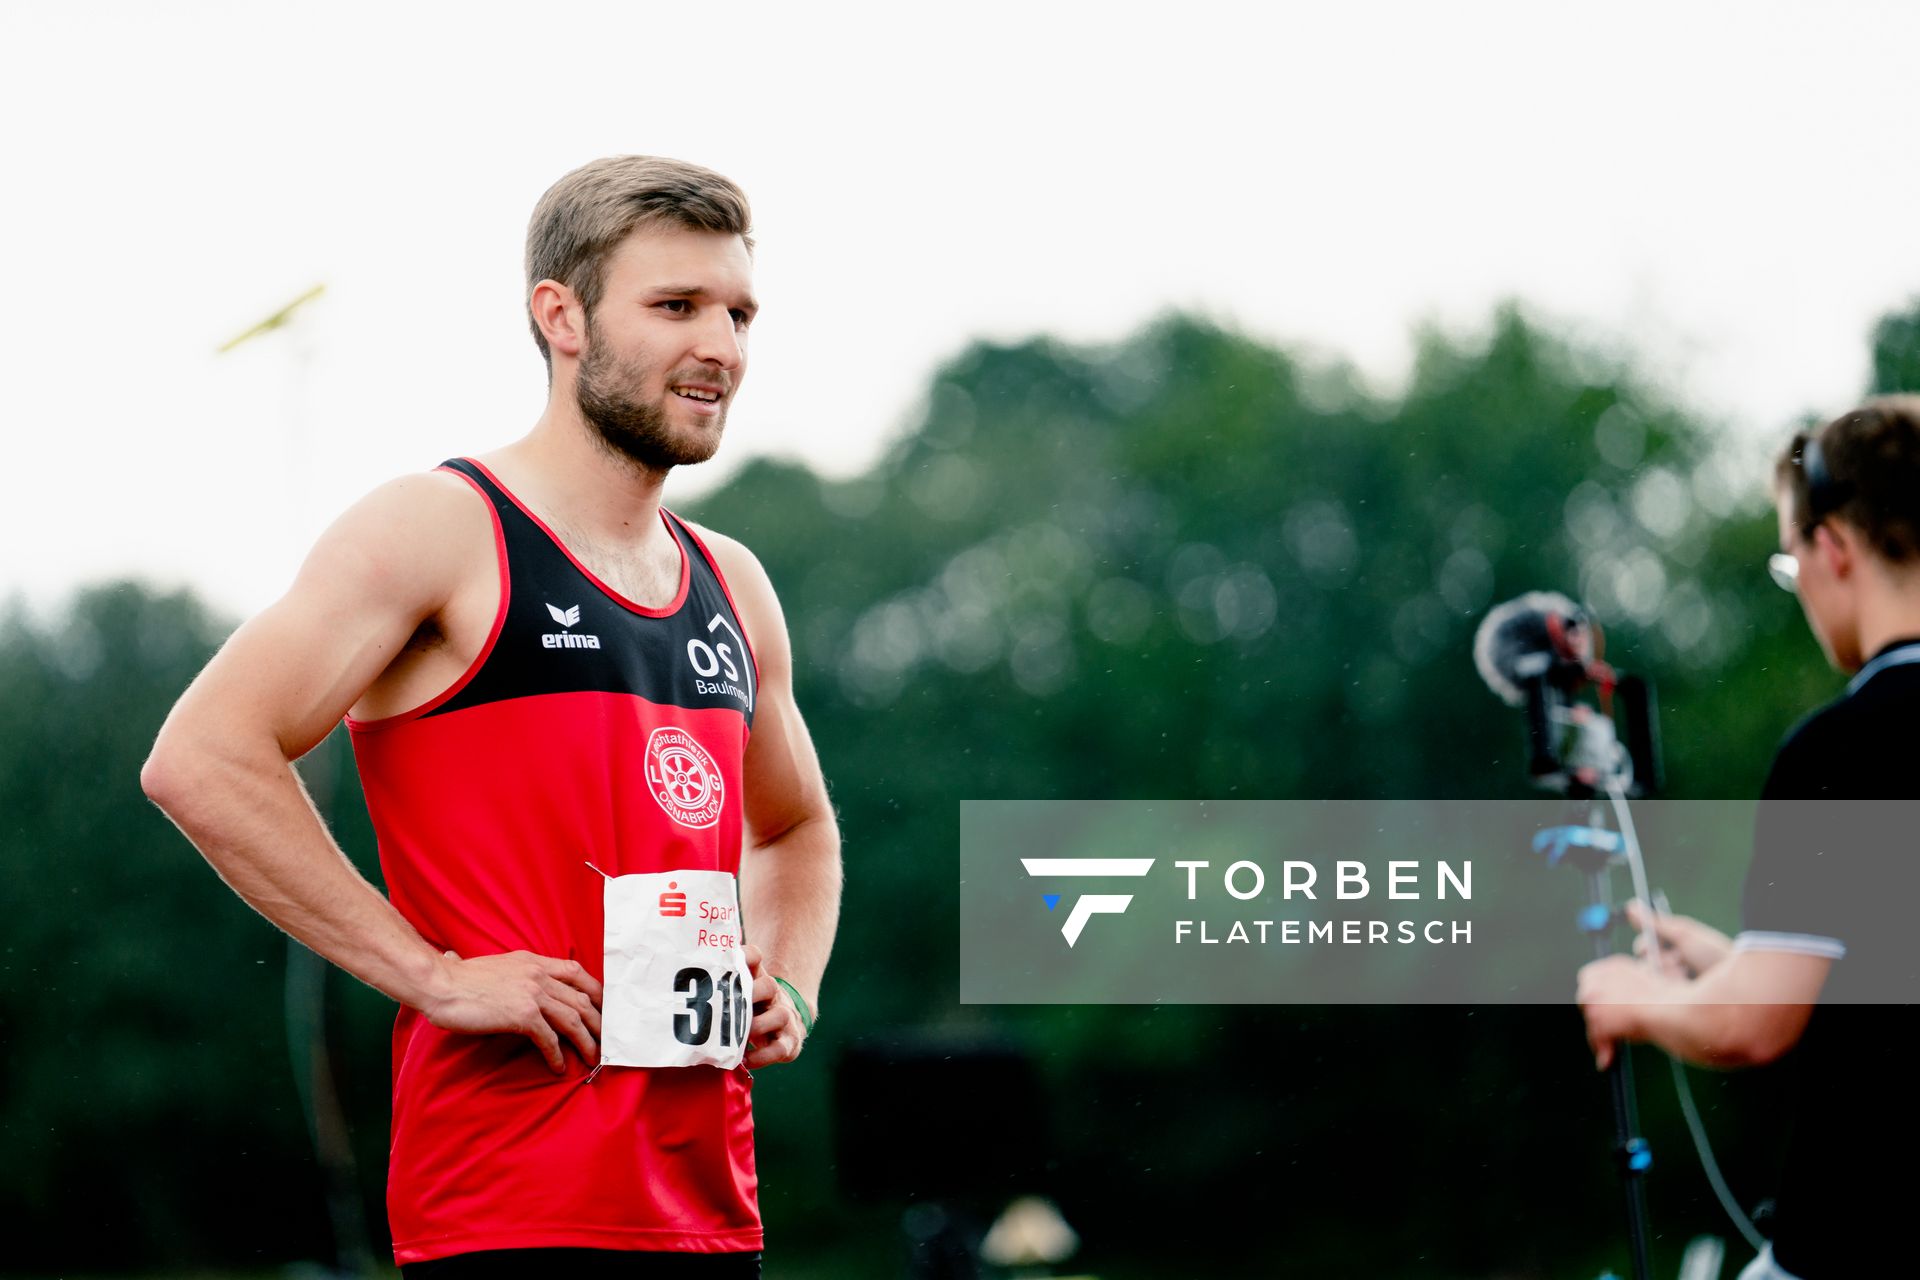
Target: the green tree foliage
(1188, 565)
(1194, 566)
(143, 1091)
(1896, 352)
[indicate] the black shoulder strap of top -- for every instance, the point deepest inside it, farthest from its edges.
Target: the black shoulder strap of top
(474, 472)
(689, 543)
(523, 531)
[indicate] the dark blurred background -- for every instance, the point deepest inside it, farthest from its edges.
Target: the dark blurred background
(1189, 565)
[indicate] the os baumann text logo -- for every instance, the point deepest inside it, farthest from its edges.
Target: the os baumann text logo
(1087, 905)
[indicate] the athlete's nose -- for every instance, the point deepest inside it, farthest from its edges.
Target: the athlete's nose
(719, 342)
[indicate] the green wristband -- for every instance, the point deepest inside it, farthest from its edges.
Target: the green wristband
(799, 1004)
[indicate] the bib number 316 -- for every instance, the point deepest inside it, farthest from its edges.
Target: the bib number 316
(676, 972)
(695, 1024)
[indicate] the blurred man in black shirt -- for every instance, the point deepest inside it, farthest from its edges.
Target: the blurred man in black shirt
(1829, 953)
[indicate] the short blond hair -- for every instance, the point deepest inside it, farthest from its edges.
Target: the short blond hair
(583, 218)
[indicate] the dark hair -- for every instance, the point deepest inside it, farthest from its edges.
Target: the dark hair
(583, 217)
(1863, 467)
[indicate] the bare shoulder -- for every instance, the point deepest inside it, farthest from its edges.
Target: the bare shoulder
(430, 504)
(752, 591)
(743, 570)
(416, 537)
(400, 557)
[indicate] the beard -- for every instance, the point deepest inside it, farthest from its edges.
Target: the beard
(629, 428)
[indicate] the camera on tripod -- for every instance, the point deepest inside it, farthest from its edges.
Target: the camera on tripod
(1541, 651)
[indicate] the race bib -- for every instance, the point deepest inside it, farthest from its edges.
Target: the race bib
(676, 982)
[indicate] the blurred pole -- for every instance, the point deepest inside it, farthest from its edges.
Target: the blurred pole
(309, 1049)
(308, 1043)
(941, 1244)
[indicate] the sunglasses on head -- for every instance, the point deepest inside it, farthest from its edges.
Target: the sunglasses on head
(1825, 495)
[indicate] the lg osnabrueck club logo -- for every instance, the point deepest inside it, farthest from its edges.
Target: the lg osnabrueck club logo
(1086, 905)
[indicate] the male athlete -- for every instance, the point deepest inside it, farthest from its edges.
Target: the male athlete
(1829, 940)
(573, 717)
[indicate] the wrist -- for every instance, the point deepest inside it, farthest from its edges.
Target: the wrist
(800, 1004)
(430, 980)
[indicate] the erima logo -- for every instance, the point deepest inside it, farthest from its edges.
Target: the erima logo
(566, 639)
(1089, 904)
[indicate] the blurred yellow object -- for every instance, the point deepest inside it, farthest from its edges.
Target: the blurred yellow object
(274, 321)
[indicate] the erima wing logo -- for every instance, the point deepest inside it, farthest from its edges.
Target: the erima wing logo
(567, 639)
(1088, 904)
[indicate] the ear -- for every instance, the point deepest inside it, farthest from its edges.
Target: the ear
(1838, 545)
(560, 316)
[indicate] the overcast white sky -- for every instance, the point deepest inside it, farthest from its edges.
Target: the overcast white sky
(1727, 190)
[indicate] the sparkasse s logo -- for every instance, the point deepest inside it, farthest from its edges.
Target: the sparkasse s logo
(567, 617)
(1087, 905)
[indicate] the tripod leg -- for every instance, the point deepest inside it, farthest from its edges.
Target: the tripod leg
(1634, 1157)
(1630, 1151)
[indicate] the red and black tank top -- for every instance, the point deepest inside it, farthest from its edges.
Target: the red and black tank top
(590, 729)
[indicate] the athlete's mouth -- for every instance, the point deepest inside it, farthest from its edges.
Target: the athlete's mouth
(705, 395)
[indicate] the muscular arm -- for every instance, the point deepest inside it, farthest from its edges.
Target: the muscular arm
(221, 768)
(790, 870)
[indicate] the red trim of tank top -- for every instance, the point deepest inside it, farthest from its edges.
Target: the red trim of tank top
(486, 650)
(726, 591)
(686, 565)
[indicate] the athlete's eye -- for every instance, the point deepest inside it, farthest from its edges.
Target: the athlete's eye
(741, 319)
(679, 306)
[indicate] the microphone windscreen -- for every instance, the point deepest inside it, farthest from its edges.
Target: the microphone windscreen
(1514, 644)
